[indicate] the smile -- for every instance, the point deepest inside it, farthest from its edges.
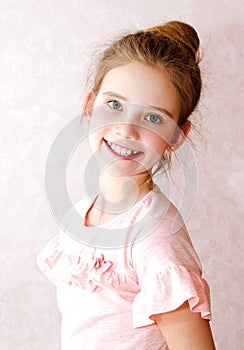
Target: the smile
(122, 151)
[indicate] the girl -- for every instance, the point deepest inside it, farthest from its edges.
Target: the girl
(146, 291)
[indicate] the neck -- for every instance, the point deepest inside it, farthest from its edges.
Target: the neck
(119, 194)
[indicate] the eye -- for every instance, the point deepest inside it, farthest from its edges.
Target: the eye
(115, 105)
(154, 118)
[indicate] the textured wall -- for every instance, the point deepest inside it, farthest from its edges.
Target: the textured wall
(46, 48)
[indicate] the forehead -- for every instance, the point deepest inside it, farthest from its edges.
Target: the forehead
(143, 84)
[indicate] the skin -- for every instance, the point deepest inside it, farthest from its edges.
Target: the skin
(193, 332)
(128, 123)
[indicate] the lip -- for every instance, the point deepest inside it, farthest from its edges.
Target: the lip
(127, 157)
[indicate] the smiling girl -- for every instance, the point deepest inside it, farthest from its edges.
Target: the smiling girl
(148, 292)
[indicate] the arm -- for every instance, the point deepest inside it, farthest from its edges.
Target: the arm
(184, 329)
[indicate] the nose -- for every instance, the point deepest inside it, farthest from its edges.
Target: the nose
(127, 131)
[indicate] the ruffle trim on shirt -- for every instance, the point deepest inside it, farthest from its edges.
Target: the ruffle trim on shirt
(82, 269)
(167, 291)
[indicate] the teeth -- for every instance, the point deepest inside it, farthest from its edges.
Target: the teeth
(126, 152)
(117, 149)
(121, 151)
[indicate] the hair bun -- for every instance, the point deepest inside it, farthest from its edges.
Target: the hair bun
(181, 33)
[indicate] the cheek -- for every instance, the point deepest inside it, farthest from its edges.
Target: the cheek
(100, 123)
(160, 147)
(102, 116)
(96, 134)
(156, 144)
(159, 136)
(96, 139)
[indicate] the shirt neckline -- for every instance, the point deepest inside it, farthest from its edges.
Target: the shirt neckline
(88, 205)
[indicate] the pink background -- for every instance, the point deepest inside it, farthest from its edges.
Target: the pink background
(46, 47)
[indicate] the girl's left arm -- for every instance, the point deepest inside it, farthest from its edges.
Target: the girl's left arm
(184, 329)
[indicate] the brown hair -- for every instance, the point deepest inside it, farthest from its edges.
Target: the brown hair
(173, 46)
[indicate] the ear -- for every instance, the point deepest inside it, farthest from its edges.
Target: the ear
(181, 136)
(88, 104)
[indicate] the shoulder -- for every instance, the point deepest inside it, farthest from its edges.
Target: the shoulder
(161, 222)
(163, 237)
(161, 213)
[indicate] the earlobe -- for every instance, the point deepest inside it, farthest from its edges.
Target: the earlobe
(181, 136)
(88, 104)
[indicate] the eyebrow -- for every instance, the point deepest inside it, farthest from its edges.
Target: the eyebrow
(114, 94)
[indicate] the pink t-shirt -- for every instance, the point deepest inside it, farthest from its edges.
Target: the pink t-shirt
(106, 296)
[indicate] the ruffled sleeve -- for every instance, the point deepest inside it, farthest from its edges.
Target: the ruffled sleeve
(169, 274)
(169, 289)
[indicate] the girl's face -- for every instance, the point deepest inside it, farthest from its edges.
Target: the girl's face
(133, 120)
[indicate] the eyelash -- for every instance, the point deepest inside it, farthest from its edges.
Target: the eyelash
(155, 115)
(114, 101)
(160, 119)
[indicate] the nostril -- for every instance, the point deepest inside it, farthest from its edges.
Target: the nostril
(127, 131)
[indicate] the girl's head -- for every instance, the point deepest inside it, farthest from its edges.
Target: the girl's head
(171, 49)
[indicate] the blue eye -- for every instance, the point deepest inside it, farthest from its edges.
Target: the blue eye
(115, 105)
(154, 118)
